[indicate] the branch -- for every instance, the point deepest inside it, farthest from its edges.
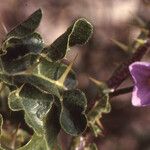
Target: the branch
(122, 72)
(121, 91)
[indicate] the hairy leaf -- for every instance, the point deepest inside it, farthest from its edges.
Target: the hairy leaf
(28, 26)
(18, 65)
(39, 81)
(52, 125)
(36, 143)
(1, 123)
(78, 33)
(34, 103)
(7, 79)
(102, 105)
(44, 76)
(72, 118)
(20, 52)
(45, 90)
(54, 70)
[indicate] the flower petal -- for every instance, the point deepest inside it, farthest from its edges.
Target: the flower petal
(141, 96)
(140, 72)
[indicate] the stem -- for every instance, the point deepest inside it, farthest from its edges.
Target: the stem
(121, 91)
(122, 72)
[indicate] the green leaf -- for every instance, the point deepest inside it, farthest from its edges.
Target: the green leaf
(52, 125)
(96, 129)
(73, 119)
(4, 79)
(39, 81)
(18, 65)
(39, 72)
(92, 146)
(36, 143)
(102, 105)
(40, 113)
(45, 76)
(15, 48)
(34, 103)
(20, 52)
(55, 70)
(7, 79)
(28, 26)
(121, 45)
(78, 33)
(1, 124)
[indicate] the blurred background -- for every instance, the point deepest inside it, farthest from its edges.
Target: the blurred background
(126, 127)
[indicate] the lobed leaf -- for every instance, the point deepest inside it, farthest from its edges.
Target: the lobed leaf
(34, 103)
(102, 105)
(45, 76)
(78, 33)
(36, 143)
(1, 124)
(55, 70)
(18, 65)
(7, 79)
(52, 126)
(72, 118)
(21, 53)
(28, 26)
(44, 89)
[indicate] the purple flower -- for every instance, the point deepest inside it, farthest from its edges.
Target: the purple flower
(140, 72)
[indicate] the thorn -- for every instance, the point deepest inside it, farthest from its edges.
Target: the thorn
(140, 41)
(4, 27)
(139, 22)
(19, 90)
(62, 79)
(103, 85)
(29, 71)
(99, 124)
(96, 81)
(32, 67)
(120, 44)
